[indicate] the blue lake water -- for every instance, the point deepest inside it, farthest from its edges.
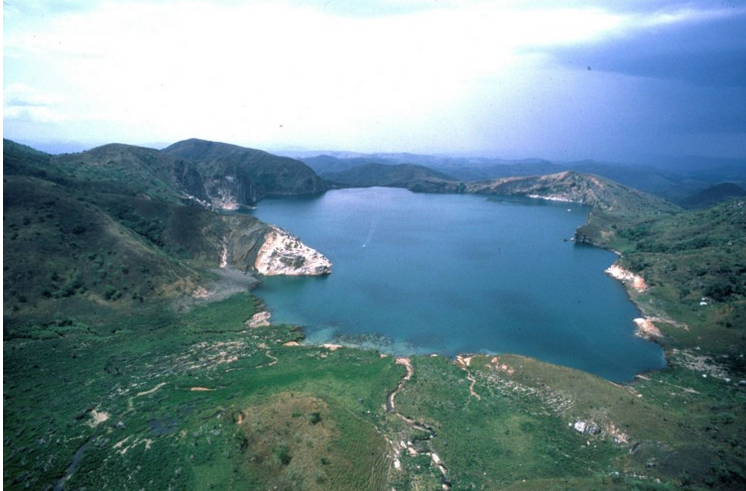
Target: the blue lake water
(448, 274)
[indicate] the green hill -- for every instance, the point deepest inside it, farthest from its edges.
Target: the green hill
(409, 176)
(713, 195)
(104, 230)
(600, 193)
(237, 176)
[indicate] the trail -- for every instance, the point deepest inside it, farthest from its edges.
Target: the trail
(409, 445)
(463, 362)
(268, 354)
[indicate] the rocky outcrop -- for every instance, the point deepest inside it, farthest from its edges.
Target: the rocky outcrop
(284, 254)
(229, 190)
(636, 282)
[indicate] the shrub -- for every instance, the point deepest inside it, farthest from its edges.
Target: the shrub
(283, 453)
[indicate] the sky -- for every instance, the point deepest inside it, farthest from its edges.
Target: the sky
(613, 80)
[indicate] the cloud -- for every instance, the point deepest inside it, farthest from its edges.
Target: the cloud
(375, 75)
(21, 102)
(705, 48)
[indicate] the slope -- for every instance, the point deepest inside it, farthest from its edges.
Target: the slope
(236, 176)
(410, 176)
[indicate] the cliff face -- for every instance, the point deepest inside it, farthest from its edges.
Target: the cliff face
(229, 189)
(237, 176)
(284, 254)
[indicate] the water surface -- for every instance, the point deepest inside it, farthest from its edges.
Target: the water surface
(449, 274)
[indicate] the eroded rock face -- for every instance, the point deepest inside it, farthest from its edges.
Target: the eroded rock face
(230, 191)
(284, 254)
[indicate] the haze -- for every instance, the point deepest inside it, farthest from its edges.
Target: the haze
(621, 81)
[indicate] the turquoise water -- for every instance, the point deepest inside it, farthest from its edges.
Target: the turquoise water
(449, 274)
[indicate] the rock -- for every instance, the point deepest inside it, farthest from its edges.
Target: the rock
(586, 427)
(260, 319)
(284, 254)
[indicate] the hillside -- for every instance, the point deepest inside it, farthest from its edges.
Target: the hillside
(695, 265)
(92, 234)
(410, 176)
(599, 193)
(236, 176)
(675, 180)
(713, 195)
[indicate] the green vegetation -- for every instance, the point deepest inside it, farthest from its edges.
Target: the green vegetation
(197, 401)
(413, 177)
(129, 363)
(695, 266)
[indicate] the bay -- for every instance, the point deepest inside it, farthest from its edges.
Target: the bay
(451, 274)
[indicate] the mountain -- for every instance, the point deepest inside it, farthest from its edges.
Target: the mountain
(460, 168)
(234, 176)
(600, 193)
(129, 169)
(118, 225)
(713, 194)
(410, 176)
(673, 179)
(326, 164)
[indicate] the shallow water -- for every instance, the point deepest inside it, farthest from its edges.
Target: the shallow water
(449, 274)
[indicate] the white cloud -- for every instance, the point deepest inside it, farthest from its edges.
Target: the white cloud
(21, 102)
(310, 73)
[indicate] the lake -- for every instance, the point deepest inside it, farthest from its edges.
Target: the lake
(449, 274)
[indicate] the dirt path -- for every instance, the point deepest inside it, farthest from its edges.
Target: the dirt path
(463, 362)
(390, 405)
(268, 354)
(435, 460)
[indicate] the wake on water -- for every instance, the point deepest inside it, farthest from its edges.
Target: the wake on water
(371, 231)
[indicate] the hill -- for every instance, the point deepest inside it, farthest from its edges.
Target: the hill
(91, 234)
(601, 194)
(713, 195)
(236, 176)
(672, 179)
(410, 176)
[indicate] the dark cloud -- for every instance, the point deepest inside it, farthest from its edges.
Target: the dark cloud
(710, 52)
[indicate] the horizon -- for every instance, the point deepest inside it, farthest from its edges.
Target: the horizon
(625, 82)
(659, 161)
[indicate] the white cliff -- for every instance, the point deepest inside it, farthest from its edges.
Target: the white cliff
(284, 254)
(630, 279)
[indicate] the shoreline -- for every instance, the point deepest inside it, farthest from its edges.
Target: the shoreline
(634, 285)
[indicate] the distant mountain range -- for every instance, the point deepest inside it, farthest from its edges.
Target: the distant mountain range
(674, 180)
(411, 176)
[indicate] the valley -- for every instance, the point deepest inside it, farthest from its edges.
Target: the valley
(130, 361)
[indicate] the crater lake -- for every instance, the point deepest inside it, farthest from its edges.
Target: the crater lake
(450, 274)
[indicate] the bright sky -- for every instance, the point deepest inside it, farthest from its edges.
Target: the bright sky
(611, 80)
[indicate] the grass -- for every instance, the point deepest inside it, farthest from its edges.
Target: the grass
(172, 396)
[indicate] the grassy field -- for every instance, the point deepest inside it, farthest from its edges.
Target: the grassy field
(197, 402)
